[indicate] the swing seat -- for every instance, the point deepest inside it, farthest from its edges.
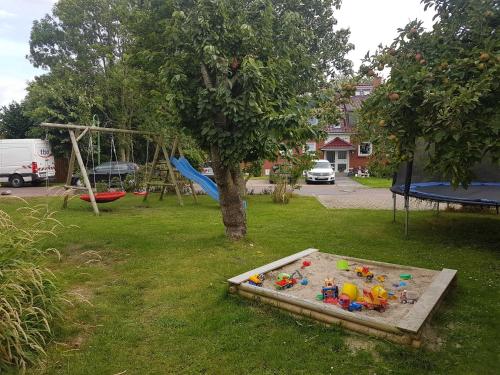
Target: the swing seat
(140, 193)
(104, 197)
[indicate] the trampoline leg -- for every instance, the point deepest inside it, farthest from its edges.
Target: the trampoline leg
(394, 207)
(437, 208)
(497, 210)
(407, 214)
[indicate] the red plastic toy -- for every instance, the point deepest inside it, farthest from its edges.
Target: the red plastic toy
(344, 301)
(286, 283)
(306, 263)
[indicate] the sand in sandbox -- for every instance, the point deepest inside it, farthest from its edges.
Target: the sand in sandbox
(324, 266)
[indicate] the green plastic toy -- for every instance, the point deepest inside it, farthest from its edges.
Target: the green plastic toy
(405, 276)
(283, 275)
(342, 265)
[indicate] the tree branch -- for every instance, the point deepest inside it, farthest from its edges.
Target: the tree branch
(206, 77)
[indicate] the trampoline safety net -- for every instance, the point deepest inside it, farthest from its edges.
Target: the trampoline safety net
(484, 190)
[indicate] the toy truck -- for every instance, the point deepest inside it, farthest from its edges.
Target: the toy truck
(285, 283)
(256, 280)
(408, 296)
(375, 299)
(364, 272)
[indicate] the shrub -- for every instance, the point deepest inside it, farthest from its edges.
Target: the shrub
(281, 193)
(381, 169)
(28, 295)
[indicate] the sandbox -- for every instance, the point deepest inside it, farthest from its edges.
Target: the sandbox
(400, 322)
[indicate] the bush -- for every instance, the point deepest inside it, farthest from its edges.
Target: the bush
(28, 295)
(381, 169)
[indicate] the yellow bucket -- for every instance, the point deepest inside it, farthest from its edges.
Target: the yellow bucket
(350, 290)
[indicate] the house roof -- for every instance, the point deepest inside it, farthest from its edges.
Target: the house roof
(342, 129)
(337, 144)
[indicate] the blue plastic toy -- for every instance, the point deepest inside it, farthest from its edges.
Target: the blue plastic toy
(355, 306)
(304, 281)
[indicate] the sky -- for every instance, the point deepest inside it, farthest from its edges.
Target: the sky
(371, 22)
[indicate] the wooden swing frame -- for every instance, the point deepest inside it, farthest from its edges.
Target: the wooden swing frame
(77, 132)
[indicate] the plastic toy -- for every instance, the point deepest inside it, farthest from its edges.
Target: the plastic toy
(256, 280)
(304, 281)
(344, 301)
(350, 290)
(392, 295)
(355, 306)
(408, 296)
(364, 272)
(297, 275)
(399, 285)
(330, 291)
(282, 276)
(306, 263)
(405, 276)
(375, 299)
(381, 278)
(342, 265)
(285, 283)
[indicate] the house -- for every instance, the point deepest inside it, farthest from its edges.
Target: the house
(340, 146)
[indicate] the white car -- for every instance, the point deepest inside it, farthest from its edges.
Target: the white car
(321, 172)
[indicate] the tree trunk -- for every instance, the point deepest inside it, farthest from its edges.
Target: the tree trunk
(229, 181)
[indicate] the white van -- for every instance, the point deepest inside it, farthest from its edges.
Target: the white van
(25, 160)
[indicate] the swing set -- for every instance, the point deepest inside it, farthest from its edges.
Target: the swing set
(77, 132)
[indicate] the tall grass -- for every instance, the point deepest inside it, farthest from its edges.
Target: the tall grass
(28, 295)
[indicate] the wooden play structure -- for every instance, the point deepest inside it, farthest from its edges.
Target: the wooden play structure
(161, 167)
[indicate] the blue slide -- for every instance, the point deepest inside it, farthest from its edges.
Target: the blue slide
(189, 172)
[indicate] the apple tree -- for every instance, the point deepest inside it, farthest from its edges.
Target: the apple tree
(240, 76)
(443, 89)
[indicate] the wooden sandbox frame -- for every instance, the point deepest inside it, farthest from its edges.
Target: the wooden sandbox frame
(407, 331)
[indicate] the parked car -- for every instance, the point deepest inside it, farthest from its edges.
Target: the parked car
(26, 160)
(208, 171)
(278, 171)
(321, 172)
(108, 171)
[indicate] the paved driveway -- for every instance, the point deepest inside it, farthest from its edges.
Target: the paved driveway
(32, 191)
(347, 193)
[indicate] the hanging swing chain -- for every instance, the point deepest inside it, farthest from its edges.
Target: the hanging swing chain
(133, 162)
(91, 152)
(147, 156)
(113, 150)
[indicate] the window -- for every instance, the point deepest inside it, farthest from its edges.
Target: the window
(310, 147)
(365, 149)
(342, 155)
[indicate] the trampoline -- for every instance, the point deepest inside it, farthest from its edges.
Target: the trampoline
(477, 193)
(415, 180)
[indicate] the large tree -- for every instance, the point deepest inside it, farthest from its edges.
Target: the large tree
(84, 45)
(240, 75)
(14, 123)
(443, 89)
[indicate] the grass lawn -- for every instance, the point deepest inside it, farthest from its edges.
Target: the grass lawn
(155, 281)
(374, 182)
